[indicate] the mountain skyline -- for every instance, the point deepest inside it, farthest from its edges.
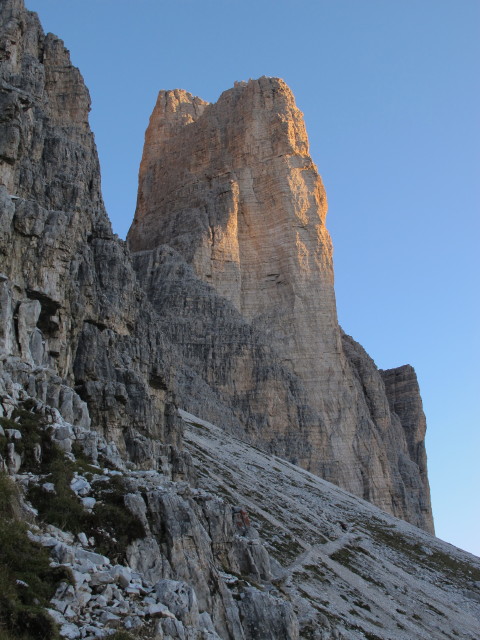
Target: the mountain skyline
(396, 159)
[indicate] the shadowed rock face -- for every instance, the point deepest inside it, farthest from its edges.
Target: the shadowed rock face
(69, 302)
(403, 393)
(231, 187)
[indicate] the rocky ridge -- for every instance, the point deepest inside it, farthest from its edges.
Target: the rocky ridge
(62, 308)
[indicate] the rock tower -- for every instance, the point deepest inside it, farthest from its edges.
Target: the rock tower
(231, 190)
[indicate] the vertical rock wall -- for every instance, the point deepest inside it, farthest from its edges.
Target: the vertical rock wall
(231, 187)
(70, 303)
(403, 393)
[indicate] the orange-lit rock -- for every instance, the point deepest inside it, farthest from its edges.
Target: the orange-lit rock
(231, 187)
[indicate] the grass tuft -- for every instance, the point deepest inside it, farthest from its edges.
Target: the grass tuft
(27, 582)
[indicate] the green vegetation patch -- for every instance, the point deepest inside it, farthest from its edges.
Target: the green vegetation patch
(362, 605)
(344, 556)
(120, 635)
(371, 636)
(199, 426)
(347, 556)
(36, 431)
(450, 565)
(112, 525)
(27, 582)
(282, 546)
(32, 427)
(62, 508)
(110, 521)
(436, 560)
(317, 573)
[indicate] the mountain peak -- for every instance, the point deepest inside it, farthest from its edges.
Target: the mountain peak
(230, 186)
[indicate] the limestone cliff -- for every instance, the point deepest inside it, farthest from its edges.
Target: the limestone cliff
(130, 515)
(70, 302)
(231, 187)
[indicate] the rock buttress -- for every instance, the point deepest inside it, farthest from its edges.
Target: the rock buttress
(70, 303)
(231, 187)
(403, 393)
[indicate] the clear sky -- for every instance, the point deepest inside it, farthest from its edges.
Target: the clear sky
(391, 97)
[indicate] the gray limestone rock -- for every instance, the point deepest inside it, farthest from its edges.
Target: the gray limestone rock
(238, 544)
(145, 557)
(283, 554)
(349, 569)
(180, 599)
(27, 316)
(267, 617)
(69, 300)
(14, 460)
(205, 346)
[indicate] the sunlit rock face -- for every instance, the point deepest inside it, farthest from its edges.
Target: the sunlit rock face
(232, 189)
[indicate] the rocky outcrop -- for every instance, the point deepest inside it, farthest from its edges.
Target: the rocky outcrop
(221, 541)
(70, 301)
(403, 393)
(238, 367)
(230, 187)
(173, 562)
(85, 369)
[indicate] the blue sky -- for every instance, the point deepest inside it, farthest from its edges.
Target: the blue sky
(391, 97)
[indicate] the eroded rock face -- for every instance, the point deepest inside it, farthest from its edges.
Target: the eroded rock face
(77, 334)
(187, 573)
(403, 393)
(228, 542)
(69, 297)
(249, 337)
(232, 189)
(350, 569)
